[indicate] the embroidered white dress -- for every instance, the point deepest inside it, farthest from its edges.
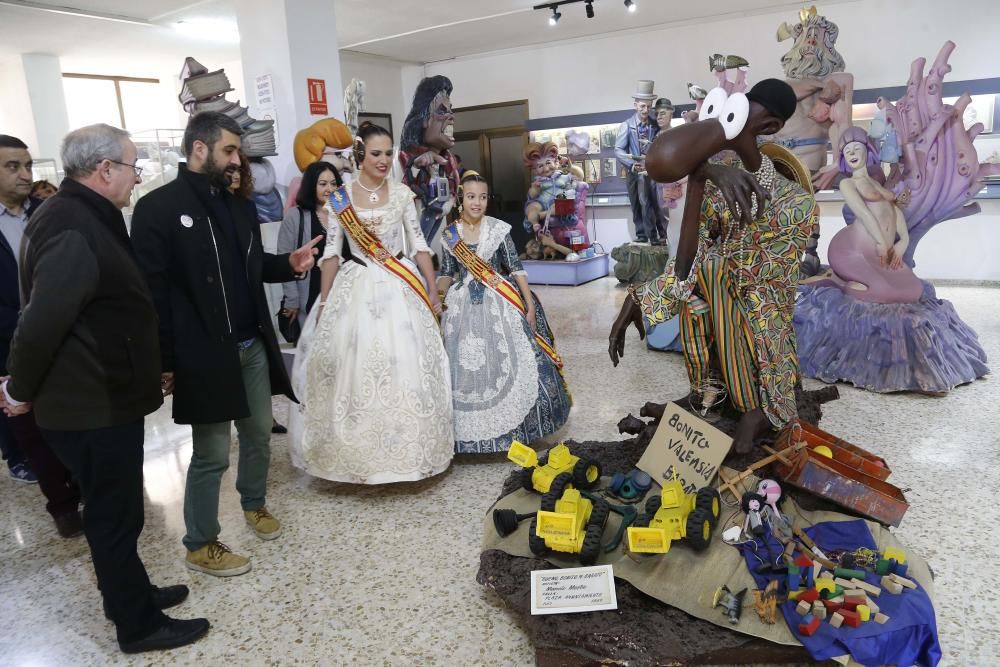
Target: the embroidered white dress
(371, 374)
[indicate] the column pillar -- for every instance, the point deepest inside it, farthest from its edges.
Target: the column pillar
(43, 75)
(292, 41)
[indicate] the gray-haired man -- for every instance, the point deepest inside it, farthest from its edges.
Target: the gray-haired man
(85, 357)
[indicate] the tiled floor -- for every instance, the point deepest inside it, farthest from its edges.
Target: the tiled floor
(386, 576)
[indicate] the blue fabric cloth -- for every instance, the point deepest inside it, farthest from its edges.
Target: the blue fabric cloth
(908, 638)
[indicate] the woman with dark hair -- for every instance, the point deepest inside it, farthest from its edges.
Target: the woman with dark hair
(370, 369)
(506, 377)
(307, 219)
(42, 189)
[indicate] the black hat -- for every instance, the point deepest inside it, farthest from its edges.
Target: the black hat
(663, 103)
(776, 96)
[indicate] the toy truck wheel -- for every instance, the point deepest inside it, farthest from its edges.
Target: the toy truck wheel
(536, 543)
(586, 474)
(526, 482)
(642, 521)
(652, 505)
(591, 544)
(560, 483)
(699, 529)
(708, 499)
(599, 515)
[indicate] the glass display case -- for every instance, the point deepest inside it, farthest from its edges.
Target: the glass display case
(158, 153)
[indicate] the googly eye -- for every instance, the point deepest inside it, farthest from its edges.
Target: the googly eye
(734, 114)
(712, 106)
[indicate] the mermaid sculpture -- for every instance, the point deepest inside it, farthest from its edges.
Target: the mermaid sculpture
(871, 321)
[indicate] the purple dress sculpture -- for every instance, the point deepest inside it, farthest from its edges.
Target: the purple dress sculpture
(870, 321)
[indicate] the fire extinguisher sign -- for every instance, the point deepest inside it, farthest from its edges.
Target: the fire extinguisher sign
(317, 97)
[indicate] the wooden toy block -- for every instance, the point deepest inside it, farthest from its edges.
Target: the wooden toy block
(891, 585)
(809, 625)
(851, 618)
(894, 554)
(870, 589)
(825, 585)
(852, 602)
(903, 581)
(836, 620)
(819, 610)
(848, 573)
(882, 567)
(803, 607)
(831, 606)
(794, 595)
(864, 612)
(803, 561)
(825, 574)
(810, 595)
(845, 583)
(881, 619)
(837, 590)
(900, 569)
(871, 605)
(854, 593)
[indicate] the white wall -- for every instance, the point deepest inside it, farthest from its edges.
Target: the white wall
(593, 75)
(599, 74)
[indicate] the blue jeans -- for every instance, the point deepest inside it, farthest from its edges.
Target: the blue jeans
(210, 458)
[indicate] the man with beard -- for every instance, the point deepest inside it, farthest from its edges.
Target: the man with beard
(200, 249)
(429, 167)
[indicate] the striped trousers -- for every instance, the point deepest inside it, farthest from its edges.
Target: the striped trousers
(718, 323)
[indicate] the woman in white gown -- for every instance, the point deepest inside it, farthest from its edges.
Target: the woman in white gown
(371, 372)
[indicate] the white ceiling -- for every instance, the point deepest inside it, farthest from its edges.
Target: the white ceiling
(417, 31)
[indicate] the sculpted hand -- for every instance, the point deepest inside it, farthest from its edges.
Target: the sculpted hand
(630, 314)
(896, 256)
(167, 383)
(435, 303)
(531, 320)
(303, 259)
(736, 186)
(429, 158)
(883, 253)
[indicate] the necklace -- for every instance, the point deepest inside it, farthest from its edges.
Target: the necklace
(373, 192)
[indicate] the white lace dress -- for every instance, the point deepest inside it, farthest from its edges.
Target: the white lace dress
(371, 374)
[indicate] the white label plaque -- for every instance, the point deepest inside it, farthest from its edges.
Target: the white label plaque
(573, 590)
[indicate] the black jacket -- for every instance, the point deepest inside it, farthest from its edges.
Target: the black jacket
(10, 297)
(86, 350)
(183, 253)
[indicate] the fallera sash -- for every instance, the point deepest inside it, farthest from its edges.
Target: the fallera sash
(487, 275)
(372, 246)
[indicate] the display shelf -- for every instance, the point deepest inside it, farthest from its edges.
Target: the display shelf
(557, 272)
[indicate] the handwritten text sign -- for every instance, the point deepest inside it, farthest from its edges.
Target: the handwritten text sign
(573, 590)
(692, 445)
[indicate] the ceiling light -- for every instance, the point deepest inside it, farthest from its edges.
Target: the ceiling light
(629, 5)
(554, 19)
(209, 29)
(590, 9)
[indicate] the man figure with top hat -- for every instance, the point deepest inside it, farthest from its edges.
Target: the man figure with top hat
(635, 136)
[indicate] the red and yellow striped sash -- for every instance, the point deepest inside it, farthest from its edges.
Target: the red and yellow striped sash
(484, 273)
(372, 246)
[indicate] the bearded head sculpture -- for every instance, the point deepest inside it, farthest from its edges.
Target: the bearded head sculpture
(814, 53)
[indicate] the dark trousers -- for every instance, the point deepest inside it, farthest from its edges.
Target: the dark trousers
(650, 223)
(9, 450)
(54, 479)
(107, 463)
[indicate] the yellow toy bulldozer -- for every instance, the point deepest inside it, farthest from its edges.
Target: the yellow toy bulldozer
(569, 523)
(556, 469)
(674, 515)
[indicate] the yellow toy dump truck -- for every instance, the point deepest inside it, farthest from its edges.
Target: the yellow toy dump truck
(569, 523)
(674, 515)
(555, 470)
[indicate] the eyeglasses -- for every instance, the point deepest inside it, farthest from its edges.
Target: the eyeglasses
(138, 170)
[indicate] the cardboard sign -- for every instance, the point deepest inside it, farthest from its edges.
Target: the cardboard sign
(317, 96)
(265, 90)
(573, 590)
(688, 444)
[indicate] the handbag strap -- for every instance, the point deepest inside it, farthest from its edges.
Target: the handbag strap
(302, 225)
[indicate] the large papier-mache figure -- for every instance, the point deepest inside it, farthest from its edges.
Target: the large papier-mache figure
(556, 203)
(869, 320)
(733, 280)
(635, 136)
(429, 167)
(815, 70)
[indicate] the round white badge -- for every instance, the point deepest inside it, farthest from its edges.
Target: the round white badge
(187, 221)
